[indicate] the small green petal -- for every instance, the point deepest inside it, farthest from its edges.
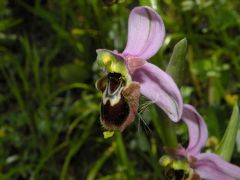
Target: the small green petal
(108, 134)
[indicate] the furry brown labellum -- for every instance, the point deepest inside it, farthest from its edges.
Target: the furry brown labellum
(119, 101)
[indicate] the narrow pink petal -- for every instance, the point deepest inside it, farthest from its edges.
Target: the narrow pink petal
(212, 167)
(146, 32)
(197, 129)
(160, 88)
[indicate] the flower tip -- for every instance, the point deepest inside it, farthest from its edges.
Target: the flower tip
(108, 134)
(184, 40)
(183, 43)
(175, 116)
(175, 119)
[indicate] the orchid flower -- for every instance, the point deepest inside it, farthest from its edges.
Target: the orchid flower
(132, 71)
(203, 165)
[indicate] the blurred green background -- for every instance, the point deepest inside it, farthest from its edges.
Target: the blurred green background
(49, 123)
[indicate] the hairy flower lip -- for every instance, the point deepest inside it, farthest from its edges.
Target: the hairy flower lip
(129, 95)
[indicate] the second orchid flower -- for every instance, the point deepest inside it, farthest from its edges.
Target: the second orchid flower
(191, 161)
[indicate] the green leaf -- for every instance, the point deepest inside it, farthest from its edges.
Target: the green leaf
(6, 24)
(177, 62)
(226, 146)
(100, 162)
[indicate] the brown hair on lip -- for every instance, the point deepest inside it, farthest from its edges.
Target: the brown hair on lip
(121, 115)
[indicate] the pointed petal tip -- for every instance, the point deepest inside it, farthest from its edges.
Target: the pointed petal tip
(175, 117)
(184, 40)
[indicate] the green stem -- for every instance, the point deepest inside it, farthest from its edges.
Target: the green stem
(121, 151)
(169, 133)
(169, 137)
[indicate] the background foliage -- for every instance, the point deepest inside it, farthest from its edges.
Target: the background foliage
(49, 123)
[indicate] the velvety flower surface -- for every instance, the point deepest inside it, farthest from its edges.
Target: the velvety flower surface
(120, 94)
(207, 165)
(146, 33)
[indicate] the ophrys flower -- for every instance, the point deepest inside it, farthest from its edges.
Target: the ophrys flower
(146, 33)
(196, 164)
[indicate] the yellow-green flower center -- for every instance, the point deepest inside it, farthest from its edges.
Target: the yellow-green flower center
(108, 61)
(176, 167)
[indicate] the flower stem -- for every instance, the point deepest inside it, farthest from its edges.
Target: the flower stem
(170, 134)
(122, 155)
(167, 128)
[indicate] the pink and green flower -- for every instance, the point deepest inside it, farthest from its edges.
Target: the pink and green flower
(146, 34)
